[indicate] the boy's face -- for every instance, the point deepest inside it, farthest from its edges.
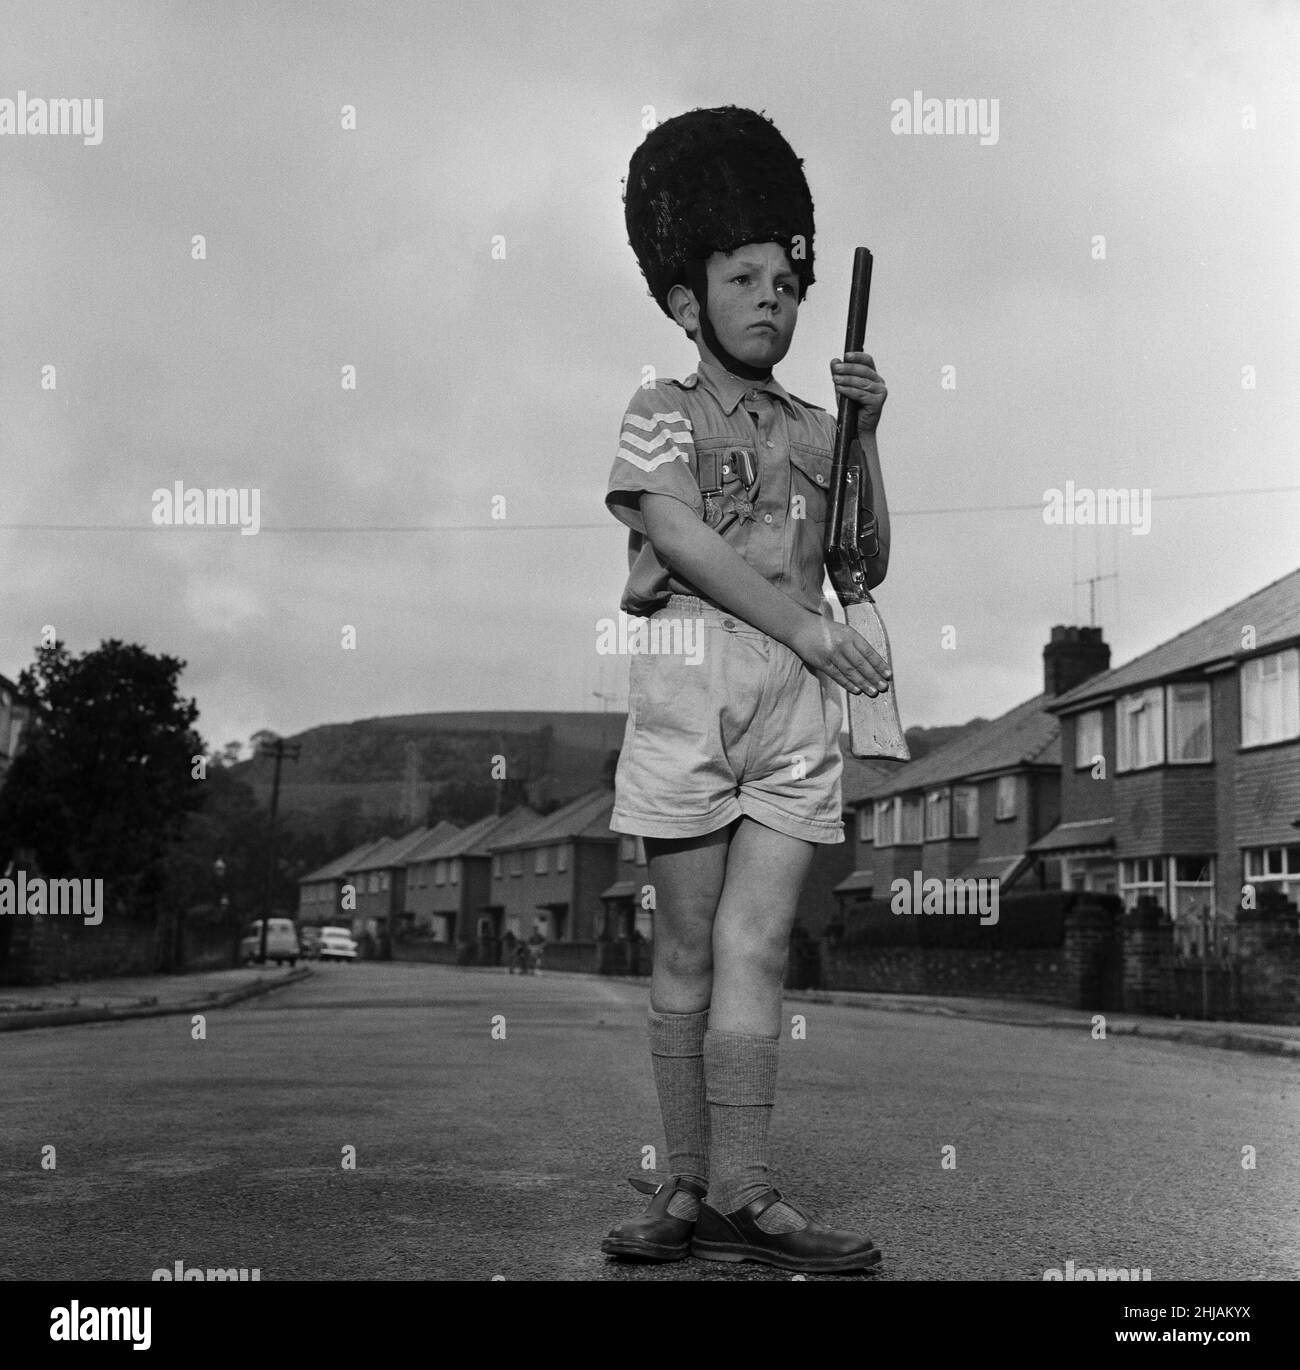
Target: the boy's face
(753, 302)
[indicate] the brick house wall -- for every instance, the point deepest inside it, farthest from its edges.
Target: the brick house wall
(1165, 810)
(594, 869)
(1081, 796)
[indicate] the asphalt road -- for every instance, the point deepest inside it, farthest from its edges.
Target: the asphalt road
(479, 1157)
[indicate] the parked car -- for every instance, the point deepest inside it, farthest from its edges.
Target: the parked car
(309, 940)
(281, 942)
(336, 944)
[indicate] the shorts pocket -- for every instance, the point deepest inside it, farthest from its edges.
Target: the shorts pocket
(670, 687)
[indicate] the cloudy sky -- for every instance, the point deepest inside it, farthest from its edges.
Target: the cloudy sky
(1167, 129)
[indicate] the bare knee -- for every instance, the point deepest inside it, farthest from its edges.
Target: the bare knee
(757, 953)
(683, 953)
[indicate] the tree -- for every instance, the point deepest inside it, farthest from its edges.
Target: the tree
(105, 781)
(229, 825)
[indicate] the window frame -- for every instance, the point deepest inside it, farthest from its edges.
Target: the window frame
(1087, 725)
(938, 815)
(1127, 708)
(885, 822)
(1202, 688)
(973, 791)
(911, 819)
(1251, 680)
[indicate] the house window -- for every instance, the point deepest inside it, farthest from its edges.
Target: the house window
(1006, 797)
(885, 819)
(374, 882)
(1087, 740)
(455, 871)
(1140, 730)
(640, 851)
(383, 880)
(1142, 877)
(542, 861)
(496, 867)
(1189, 722)
(1270, 698)
(912, 818)
(866, 824)
(561, 859)
(965, 811)
(627, 848)
(937, 822)
(516, 863)
(1274, 868)
(422, 875)
(440, 873)
(1192, 905)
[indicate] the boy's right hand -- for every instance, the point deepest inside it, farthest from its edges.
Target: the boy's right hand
(845, 655)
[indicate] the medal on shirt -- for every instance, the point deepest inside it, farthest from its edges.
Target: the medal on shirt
(743, 504)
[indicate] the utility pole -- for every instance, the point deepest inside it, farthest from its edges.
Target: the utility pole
(281, 751)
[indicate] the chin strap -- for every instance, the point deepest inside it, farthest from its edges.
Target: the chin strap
(698, 279)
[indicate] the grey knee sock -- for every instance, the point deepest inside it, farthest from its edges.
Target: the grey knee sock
(677, 1055)
(740, 1071)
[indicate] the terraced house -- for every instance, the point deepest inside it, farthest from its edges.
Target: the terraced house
(974, 807)
(379, 880)
(320, 892)
(1180, 774)
(551, 874)
(449, 880)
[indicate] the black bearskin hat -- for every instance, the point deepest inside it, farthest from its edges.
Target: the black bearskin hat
(709, 181)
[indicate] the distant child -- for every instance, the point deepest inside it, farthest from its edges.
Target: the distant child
(730, 768)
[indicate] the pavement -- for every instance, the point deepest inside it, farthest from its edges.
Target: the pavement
(88, 1001)
(1266, 1038)
(136, 996)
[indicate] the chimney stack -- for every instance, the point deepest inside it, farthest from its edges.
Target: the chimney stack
(1072, 656)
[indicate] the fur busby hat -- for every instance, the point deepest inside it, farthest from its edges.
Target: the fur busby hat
(709, 181)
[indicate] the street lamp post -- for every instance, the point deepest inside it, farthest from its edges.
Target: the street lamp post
(223, 903)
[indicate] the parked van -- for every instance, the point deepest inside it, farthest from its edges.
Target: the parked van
(281, 942)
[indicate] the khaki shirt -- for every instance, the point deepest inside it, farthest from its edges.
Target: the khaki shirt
(769, 454)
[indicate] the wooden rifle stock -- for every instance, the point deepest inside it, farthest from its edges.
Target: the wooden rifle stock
(875, 728)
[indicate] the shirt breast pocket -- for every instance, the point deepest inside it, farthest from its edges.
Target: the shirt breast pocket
(810, 482)
(726, 471)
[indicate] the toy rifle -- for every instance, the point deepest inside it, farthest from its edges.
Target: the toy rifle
(852, 539)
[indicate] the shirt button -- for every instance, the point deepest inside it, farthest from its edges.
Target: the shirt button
(770, 443)
(767, 518)
(726, 471)
(821, 480)
(728, 623)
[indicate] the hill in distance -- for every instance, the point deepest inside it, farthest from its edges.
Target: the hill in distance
(390, 768)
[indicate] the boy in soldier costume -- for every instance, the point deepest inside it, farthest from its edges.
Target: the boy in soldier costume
(730, 768)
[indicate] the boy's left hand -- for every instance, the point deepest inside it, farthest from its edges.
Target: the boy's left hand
(856, 376)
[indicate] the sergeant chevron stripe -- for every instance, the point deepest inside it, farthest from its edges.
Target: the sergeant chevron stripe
(639, 450)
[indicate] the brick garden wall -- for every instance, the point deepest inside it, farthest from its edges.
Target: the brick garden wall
(1015, 974)
(44, 950)
(1105, 959)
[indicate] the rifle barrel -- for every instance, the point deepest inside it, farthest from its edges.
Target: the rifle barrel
(847, 420)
